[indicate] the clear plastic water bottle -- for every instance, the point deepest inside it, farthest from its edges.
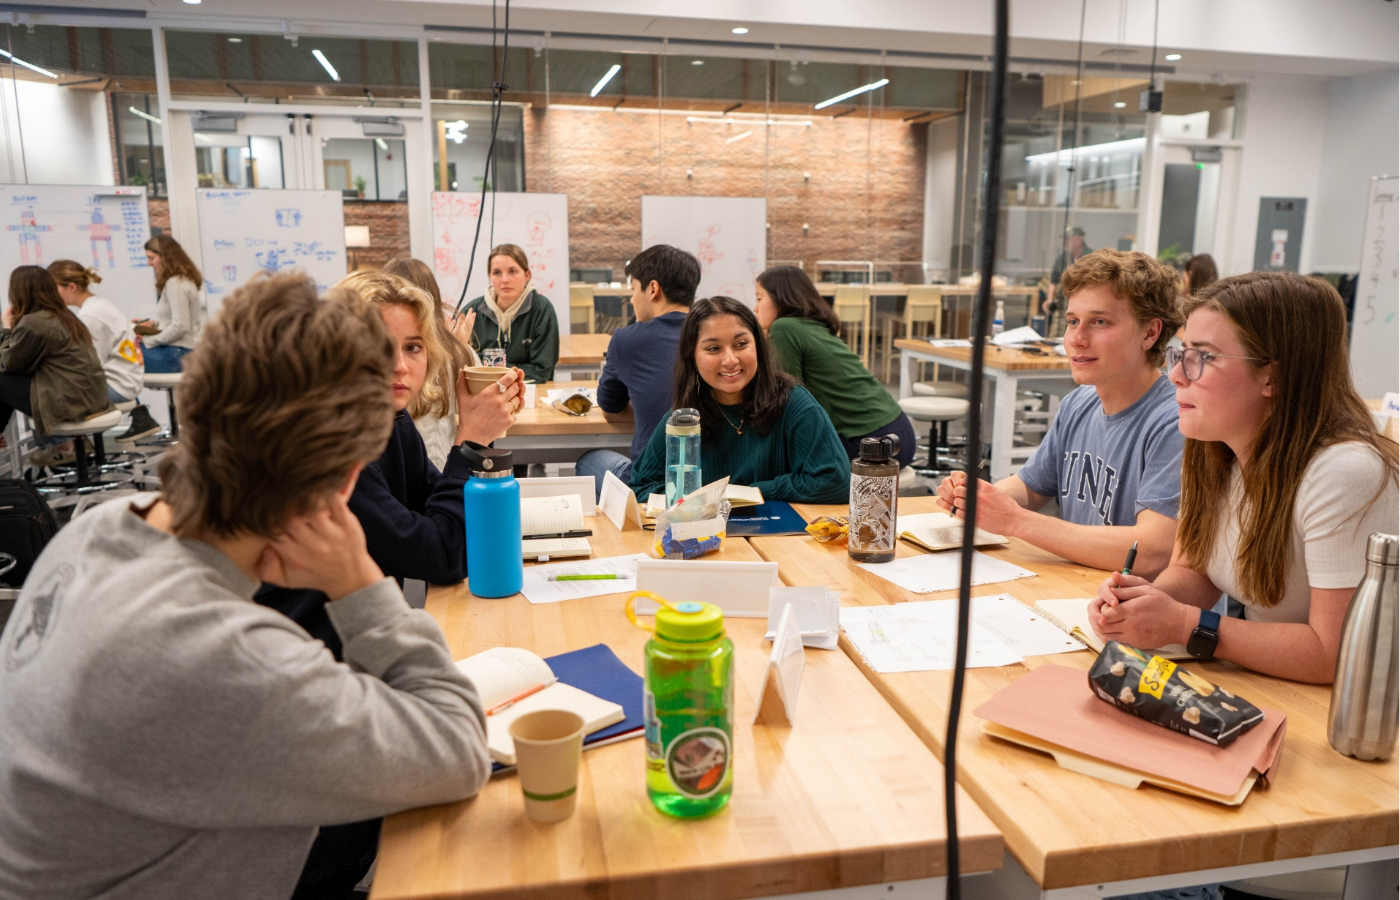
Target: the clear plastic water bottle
(495, 565)
(688, 708)
(999, 319)
(682, 454)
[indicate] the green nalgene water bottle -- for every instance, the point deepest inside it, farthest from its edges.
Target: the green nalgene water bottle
(688, 706)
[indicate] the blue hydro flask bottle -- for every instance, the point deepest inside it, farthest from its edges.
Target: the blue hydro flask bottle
(495, 564)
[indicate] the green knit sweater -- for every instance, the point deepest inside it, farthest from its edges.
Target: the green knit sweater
(534, 336)
(856, 402)
(801, 460)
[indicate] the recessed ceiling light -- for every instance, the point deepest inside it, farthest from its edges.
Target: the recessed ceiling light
(874, 85)
(1120, 105)
(194, 2)
(1171, 57)
(697, 62)
(734, 30)
(602, 82)
(326, 64)
(235, 40)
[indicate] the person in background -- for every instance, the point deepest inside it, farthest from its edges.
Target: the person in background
(1284, 479)
(641, 362)
(1112, 456)
(411, 514)
(1200, 271)
(516, 318)
(757, 425)
(48, 368)
(1074, 249)
(437, 420)
(802, 328)
(192, 741)
(179, 317)
(117, 346)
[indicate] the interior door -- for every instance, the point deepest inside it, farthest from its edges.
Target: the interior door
(1196, 201)
(259, 151)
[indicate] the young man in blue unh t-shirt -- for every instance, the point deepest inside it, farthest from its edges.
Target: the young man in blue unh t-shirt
(640, 368)
(1112, 456)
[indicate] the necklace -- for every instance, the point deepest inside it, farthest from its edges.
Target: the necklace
(738, 429)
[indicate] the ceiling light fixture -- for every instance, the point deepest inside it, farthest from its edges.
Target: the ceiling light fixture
(603, 82)
(739, 30)
(697, 62)
(1173, 57)
(326, 64)
(19, 62)
(1120, 105)
(145, 115)
(193, 2)
(872, 86)
(235, 40)
(379, 142)
(737, 137)
(456, 132)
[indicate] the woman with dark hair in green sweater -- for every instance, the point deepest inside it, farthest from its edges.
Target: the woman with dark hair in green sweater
(802, 328)
(756, 425)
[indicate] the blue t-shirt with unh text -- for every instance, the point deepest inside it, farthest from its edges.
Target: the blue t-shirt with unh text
(641, 368)
(1103, 469)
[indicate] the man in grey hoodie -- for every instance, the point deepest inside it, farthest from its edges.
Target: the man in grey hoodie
(161, 736)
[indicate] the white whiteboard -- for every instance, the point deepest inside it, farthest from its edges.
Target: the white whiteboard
(244, 232)
(101, 227)
(727, 234)
(1375, 333)
(537, 223)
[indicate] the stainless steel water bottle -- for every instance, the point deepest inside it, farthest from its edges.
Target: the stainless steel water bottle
(1362, 719)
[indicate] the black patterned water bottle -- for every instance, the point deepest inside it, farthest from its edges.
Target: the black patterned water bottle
(874, 500)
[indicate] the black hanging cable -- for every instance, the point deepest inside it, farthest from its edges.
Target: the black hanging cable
(488, 178)
(980, 323)
(1156, 18)
(1074, 139)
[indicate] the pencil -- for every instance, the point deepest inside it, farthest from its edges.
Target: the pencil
(582, 577)
(518, 697)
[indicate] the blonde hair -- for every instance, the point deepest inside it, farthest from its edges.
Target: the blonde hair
(66, 271)
(382, 289)
(1299, 326)
(1151, 287)
(416, 272)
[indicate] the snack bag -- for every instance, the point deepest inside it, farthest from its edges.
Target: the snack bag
(691, 529)
(1165, 694)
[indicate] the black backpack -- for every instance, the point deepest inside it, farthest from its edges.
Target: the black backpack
(26, 526)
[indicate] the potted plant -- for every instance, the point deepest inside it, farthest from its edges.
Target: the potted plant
(360, 186)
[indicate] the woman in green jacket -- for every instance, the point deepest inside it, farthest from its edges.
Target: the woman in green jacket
(513, 316)
(803, 330)
(48, 368)
(756, 425)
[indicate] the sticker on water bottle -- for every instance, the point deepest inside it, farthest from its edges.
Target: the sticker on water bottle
(697, 761)
(652, 723)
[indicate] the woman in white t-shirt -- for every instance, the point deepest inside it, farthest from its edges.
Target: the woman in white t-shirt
(1284, 477)
(118, 349)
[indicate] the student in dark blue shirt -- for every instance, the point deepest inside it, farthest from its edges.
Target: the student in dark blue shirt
(641, 361)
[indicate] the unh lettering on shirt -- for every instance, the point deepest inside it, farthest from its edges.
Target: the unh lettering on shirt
(1088, 480)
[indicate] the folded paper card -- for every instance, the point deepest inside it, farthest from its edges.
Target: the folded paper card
(1054, 706)
(818, 611)
(740, 589)
(777, 694)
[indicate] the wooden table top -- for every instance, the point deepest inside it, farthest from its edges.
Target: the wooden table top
(1004, 358)
(542, 419)
(582, 349)
(816, 806)
(897, 289)
(1068, 829)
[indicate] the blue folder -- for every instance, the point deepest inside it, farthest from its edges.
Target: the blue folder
(773, 517)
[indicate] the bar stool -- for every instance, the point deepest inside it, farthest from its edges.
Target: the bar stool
(938, 412)
(93, 427)
(166, 381)
(940, 389)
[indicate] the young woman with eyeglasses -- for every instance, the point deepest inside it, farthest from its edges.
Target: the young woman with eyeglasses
(1284, 477)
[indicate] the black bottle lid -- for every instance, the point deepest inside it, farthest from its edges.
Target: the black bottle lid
(485, 460)
(879, 449)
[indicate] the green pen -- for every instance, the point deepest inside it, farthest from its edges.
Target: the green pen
(582, 577)
(1132, 558)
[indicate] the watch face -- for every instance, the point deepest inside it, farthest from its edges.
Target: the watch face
(1202, 643)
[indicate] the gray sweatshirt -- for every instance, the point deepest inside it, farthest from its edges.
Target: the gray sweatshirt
(161, 736)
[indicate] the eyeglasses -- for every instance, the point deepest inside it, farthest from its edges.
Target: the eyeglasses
(1193, 361)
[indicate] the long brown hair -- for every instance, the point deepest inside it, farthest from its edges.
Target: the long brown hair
(381, 289)
(1298, 325)
(794, 295)
(174, 262)
(765, 396)
(32, 290)
(417, 273)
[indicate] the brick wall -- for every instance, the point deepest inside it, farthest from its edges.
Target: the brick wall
(159, 211)
(864, 198)
(388, 231)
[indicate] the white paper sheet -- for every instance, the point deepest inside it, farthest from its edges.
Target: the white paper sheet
(537, 587)
(1022, 335)
(950, 342)
(1023, 630)
(932, 572)
(920, 637)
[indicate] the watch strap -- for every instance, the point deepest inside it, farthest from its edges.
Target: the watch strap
(1206, 636)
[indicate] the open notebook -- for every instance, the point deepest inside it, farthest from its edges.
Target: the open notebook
(738, 495)
(550, 516)
(1072, 616)
(503, 673)
(940, 531)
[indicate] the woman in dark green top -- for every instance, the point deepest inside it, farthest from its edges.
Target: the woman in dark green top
(516, 317)
(756, 425)
(803, 330)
